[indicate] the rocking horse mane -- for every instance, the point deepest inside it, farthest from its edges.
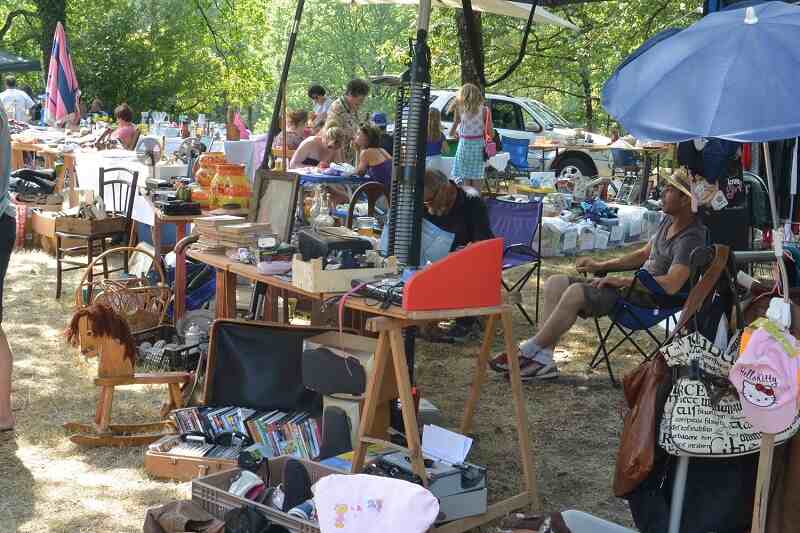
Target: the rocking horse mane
(105, 322)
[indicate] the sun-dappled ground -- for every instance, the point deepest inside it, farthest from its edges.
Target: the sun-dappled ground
(49, 484)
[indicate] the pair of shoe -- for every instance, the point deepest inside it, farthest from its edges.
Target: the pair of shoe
(529, 369)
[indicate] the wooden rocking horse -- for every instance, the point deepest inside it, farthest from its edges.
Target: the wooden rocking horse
(101, 332)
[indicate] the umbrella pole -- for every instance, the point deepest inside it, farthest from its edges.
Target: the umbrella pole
(766, 452)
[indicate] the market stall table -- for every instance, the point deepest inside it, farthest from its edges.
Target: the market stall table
(388, 325)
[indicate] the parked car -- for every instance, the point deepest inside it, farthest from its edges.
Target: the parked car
(528, 118)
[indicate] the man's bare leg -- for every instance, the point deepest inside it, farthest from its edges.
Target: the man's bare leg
(562, 303)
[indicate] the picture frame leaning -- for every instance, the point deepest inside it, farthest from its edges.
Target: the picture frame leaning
(274, 201)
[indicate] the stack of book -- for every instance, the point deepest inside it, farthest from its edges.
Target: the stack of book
(211, 240)
(280, 433)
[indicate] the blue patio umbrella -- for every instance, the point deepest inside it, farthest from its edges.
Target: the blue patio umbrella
(733, 75)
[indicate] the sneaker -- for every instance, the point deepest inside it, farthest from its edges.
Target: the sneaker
(532, 370)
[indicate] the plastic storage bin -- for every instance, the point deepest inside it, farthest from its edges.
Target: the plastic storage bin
(211, 493)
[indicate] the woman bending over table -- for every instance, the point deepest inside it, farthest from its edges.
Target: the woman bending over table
(321, 149)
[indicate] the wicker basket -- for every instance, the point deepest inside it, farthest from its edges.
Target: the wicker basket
(142, 305)
(211, 493)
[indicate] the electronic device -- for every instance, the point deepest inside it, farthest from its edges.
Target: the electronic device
(178, 207)
(323, 243)
(388, 291)
(460, 489)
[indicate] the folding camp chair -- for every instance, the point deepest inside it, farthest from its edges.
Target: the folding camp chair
(520, 226)
(629, 319)
(518, 151)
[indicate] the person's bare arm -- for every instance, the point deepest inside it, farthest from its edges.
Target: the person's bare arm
(630, 261)
(299, 156)
(454, 127)
(363, 163)
(675, 278)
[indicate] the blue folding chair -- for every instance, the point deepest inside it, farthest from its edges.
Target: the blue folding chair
(518, 151)
(520, 225)
(629, 319)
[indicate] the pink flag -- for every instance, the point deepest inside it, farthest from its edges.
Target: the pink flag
(63, 93)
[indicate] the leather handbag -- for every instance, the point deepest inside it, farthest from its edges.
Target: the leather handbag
(637, 448)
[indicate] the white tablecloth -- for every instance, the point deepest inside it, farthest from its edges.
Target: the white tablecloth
(88, 164)
(499, 162)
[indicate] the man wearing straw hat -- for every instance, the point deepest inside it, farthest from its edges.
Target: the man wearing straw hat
(666, 257)
(7, 237)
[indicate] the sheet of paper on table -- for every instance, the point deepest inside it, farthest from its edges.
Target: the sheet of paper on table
(445, 445)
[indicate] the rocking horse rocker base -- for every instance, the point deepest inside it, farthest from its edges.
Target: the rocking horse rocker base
(103, 433)
(101, 332)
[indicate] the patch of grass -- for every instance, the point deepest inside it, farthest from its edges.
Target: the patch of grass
(49, 484)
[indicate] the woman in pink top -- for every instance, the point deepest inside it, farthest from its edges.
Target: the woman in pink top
(126, 132)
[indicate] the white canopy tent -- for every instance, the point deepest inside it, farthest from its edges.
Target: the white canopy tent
(498, 7)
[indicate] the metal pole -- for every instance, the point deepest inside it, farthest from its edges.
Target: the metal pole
(287, 61)
(678, 495)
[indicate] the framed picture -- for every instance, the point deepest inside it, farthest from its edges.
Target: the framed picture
(275, 201)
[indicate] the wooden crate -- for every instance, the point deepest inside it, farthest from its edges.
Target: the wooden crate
(165, 465)
(311, 277)
(83, 226)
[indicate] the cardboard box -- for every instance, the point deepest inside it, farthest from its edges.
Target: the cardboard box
(45, 224)
(311, 277)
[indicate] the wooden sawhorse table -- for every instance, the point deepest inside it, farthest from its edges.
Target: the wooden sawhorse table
(391, 349)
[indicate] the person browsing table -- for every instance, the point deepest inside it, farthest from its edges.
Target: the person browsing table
(323, 148)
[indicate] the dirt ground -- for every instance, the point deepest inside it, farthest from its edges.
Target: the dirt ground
(49, 484)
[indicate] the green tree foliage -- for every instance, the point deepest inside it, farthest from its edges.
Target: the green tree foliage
(203, 55)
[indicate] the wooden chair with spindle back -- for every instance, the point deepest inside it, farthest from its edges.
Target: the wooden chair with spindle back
(118, 195)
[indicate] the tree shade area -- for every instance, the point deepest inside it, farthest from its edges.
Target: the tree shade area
(197, 56)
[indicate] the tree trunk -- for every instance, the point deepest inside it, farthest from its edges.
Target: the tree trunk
(471, 66)
(586, 85)
(50, 13)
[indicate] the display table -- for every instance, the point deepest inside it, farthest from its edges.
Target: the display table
(390, 369)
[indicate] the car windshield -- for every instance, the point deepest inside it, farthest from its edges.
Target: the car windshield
(551, 117)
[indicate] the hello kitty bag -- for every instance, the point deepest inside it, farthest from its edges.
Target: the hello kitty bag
(364, 504)
(703, 415)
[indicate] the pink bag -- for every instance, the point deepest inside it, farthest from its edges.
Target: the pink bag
(490, 148)
(365, 504)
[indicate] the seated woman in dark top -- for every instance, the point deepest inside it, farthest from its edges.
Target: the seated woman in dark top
(372, 159)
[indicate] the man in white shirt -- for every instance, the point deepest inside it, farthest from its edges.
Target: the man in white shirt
(16, 103)
(321, 102)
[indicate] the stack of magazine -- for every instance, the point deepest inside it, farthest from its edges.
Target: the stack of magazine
(278, 432)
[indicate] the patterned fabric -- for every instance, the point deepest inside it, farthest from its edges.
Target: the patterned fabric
(293, 140)
(469, 163)
(341, 116)
(472, 125)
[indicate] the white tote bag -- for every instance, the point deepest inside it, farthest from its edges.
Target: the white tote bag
(365, 504)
